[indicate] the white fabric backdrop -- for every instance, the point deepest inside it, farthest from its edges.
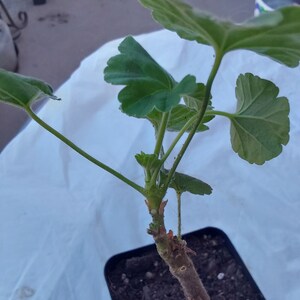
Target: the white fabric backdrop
(61, 217)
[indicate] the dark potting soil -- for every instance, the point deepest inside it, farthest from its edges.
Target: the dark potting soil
(146, 277)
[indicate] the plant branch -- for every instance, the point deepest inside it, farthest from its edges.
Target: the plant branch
(83, 153)
(161, 132)
(175, 253)
(215, 68)
(179, 214)
(219, 113)
(159, 144)
(178, 137)
(172, 146)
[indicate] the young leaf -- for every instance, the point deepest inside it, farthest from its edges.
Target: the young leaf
(275, 34)
(260, 125)
(147, 161)
(21, 90)
(148, 85)
(180, 115)
(195, 100)
(184, 183)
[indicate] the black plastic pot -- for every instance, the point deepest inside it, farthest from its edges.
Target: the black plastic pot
(39, 2)
(141, 274)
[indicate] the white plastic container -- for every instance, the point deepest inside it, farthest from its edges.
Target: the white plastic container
(8, 55)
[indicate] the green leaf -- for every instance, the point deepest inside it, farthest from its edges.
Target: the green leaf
(148, 85)
(148, 161)
(180, 115)
(274, 34)
(184, 183)
(21, 90)
(260, 125)
(196, 99)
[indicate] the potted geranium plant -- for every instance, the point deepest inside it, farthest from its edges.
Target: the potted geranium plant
(259, 127)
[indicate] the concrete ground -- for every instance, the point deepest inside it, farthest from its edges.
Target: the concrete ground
(61, 33)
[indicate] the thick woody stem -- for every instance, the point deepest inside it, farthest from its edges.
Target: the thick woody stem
(175, 253)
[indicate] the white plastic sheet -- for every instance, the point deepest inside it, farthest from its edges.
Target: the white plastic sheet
(62, 217)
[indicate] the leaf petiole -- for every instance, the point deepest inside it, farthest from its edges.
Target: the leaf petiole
(83, 153)
(188, 124)
(161, 132)
(218, 113)
(178, 194)
(200, 116)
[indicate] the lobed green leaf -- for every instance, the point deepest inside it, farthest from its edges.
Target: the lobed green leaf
(147, 85)
(274, 34)
(260, 125)
(21, 90)
(180, 115)
(148, 161)
(196, 99)
(184, 183)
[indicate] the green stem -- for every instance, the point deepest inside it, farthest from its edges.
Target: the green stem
(159, 143)
(178, 137)
(179, 214)
(200, 116)
(172, 146)
(161, 133)
(83, 153)
(218, 113)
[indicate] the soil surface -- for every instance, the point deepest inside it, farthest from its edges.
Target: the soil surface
(146, 276)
